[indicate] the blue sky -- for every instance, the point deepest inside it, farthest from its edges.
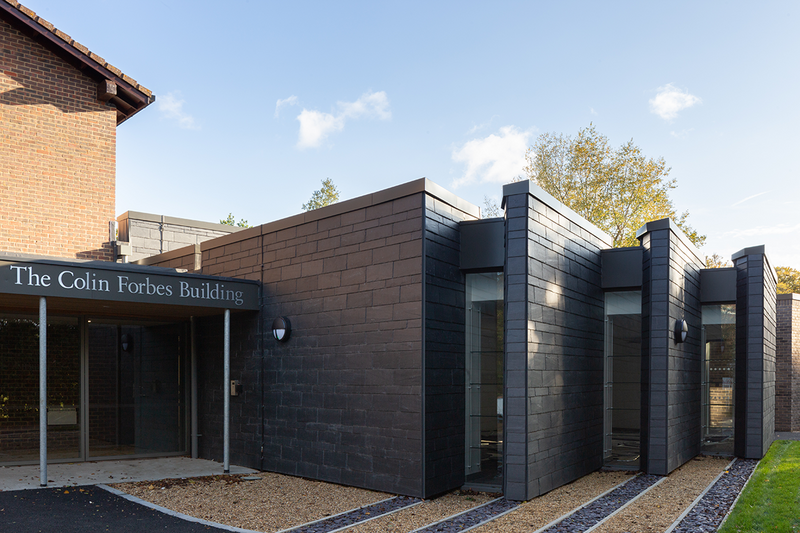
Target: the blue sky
(257, 102)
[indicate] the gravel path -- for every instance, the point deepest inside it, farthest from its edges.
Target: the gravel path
(428, 512)
(540, 511)
(277, 502)
(661, 506)
(586, 517)
(709, 512)
(272, 503)
(471, 518)
(341, 521)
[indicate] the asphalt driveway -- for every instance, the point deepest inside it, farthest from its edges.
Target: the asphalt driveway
(84, 509)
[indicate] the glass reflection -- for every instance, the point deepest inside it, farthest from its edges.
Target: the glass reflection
(623, 375)
(719, 374)
(484, 379)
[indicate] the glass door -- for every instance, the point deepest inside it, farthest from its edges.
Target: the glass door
(136, 389)
(484, 379)
(719, 376)
(623, 377)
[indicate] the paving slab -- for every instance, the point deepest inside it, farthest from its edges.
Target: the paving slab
(94, 472)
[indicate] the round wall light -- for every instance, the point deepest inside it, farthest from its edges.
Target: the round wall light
(281, 329)
(681, 331)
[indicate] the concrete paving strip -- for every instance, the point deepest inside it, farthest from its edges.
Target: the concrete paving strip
(629, 502)
(365, 513)
(565, 515)
(454, 517)
(590, 516)
(94, 472)
(697, 500)
(176, 514)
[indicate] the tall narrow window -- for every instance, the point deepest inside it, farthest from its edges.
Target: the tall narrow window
(623, 376)
(719, 373)
(484, 379)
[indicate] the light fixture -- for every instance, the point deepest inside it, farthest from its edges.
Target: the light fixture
(281, 329)
(127, 342)
(681, 331)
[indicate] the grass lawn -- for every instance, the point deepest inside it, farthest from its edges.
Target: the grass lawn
(771, 500)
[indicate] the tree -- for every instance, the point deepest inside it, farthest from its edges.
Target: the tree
(327, 195)
(490, 208)
(788, 280)
(717, 261)
(230, 221)
(618, 190)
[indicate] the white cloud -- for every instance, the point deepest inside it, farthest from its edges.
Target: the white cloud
(315, 126)
(670, 100)
(592, 111)
(498, 158)
(171, 107)
(283, 102)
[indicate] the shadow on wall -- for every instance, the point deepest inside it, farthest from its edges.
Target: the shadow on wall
(106, 253)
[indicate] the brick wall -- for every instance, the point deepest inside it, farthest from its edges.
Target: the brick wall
(57, 155)
(787, 367)
(553, 343)
(671, 379)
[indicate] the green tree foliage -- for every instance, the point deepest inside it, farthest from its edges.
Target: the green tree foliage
(717, 261)
(327, 195)
(788, 280)
(231, 221)
(618, 190)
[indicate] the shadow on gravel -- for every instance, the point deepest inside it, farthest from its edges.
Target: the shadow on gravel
(83, 509)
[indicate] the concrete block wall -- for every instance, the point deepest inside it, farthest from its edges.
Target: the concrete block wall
(787, 365)
(151, 235)
(247, 366)
(553, 342)
(444, 344)
(671, 372)
(57, 156)
(756, 310)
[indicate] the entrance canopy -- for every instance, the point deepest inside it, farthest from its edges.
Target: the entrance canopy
(100, 287)
(117, 359)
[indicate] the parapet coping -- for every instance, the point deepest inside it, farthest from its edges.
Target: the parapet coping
(529, 187)
(421, 185)
(176, 221)
(185, 251)
(668, 223)
(791, 296)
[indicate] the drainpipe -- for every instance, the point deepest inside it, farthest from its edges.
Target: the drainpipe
(42, 391)
(226, 394)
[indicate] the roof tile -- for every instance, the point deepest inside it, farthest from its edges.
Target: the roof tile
(78, 46)
(44, 23)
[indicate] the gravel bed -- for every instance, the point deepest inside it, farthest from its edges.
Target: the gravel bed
(709, 512)
(471, 518)
(586, 517)
(273, 503)
(539, 512)
(356, 516)
(661, 506)
(428, 512)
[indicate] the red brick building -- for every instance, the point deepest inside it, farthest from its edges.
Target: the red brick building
(60, 105)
